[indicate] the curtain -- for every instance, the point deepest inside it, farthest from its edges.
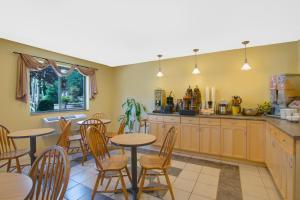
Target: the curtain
(27, 62)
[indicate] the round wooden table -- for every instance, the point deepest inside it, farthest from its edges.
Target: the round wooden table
(133, 140)
(32, 134)
(14, 186)
(105, 121)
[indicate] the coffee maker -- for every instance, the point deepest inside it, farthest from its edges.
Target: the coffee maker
(284, 88)
(159, 98)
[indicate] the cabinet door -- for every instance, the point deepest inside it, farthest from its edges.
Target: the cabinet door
(157, 129)
(256, 141)
(167, 127)
(290, 176)
(210, 139)
(189, 137)
(233, 141)
(215, 140)
(204, 139)
(276, 162)
(268, 148)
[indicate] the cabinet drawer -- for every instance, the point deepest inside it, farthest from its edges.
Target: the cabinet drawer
(171, 119)
(189, 120)
(156, 118)
(286, 141)
(210, 121)
(233, 122)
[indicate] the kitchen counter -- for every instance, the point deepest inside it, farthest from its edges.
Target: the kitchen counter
(292, 129)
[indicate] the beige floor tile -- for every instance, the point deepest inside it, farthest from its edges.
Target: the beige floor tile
(193, 167)
(268, 182)
(184, 184)
(255, 191)
(145, 196)
(273, 194)
(205, 190)
(208, 179)
(251, 180)
(198, 197)
(189, 175)
(248, 170)
(178, 164)
(210, 171)
(248, 197)
(179, 194)
(162, 179)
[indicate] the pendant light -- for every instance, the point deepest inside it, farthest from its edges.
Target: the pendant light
(196, 69)
(246, 65)
(159, 73)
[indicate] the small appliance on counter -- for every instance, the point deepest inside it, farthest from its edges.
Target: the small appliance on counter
(236, 105)
(191, 103)
(223, 106)
(160, 100)
(170, 104)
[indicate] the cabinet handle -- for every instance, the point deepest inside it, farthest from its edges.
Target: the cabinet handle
(283, 140)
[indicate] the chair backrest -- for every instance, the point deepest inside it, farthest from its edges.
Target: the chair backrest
(50, 174)
(98, 145)
(98, 116)
(168, 146)
(62, 123)
(64, 136)
(122, 125)
(91, 122)
(6, 144)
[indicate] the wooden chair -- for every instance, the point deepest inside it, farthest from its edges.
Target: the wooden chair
(50, 174)
(120, 131)
(83, 131)
(66, 139)
(98, 116)
(108, 166)
(160, 162)
(8, 150)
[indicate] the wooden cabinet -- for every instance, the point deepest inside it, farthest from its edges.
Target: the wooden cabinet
(210, 139)
(280, 161)
(256, 140)
(190, 137)
(233, 140)
(157, 129)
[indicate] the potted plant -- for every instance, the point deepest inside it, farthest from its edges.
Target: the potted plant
(265, 108)
(133, 111)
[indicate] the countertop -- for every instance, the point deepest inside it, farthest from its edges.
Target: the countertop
(291, 128)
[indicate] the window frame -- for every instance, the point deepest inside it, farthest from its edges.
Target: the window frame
(60, 105)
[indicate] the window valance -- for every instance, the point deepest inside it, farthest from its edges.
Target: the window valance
(27, 62)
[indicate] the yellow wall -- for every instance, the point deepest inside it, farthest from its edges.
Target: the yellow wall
(16, 115)
(220, 69)
(298, 56)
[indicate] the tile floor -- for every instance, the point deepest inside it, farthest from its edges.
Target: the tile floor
(192, 178)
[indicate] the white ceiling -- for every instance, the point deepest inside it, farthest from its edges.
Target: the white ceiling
(119, 32)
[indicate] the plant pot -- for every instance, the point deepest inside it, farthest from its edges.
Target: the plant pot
(235, 110)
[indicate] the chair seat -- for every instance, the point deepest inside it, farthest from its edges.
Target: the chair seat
(117, 162)
(13, 154)
(74, 137)
(110, 134)
(151, 162)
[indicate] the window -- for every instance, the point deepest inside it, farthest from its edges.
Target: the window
(49, 92)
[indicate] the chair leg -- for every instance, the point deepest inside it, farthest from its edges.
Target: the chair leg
(96, 185)
(18, 166)
(144, 172)
(8, 165)
(83, 152)
(140, 176)
(128, 174)
(169, 184)
(124, 189)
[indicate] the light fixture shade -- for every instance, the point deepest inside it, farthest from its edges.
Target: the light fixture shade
(196, 70)
(159, 74)
(246, 66)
